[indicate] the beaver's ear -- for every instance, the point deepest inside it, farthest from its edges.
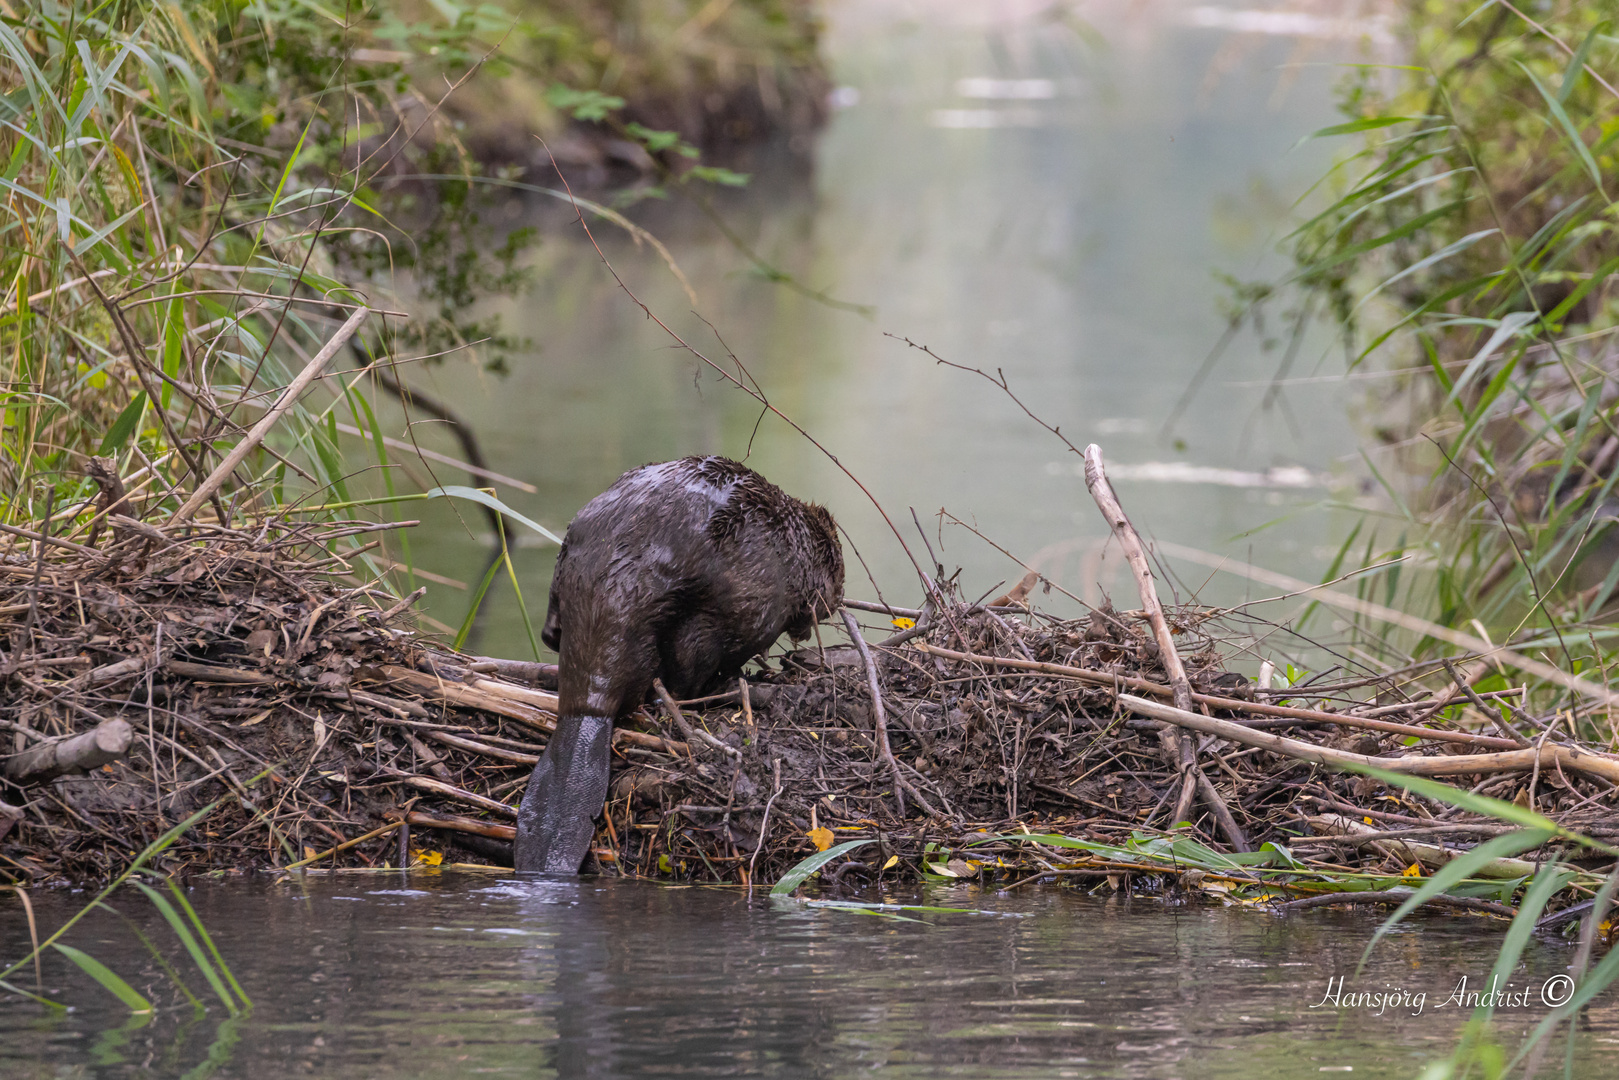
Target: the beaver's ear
(821, 518)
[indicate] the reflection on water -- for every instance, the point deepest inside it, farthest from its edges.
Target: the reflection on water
(450, 975)
(1014, 188)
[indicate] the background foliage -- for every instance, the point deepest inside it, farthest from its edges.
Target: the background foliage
(194, 190)
(1469, 254)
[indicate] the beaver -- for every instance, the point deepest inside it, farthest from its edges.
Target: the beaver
(682, 571)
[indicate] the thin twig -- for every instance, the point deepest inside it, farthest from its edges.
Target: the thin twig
(743, 380)
(686, 728)
(1479, 703)
(880, 721)
(764, 826)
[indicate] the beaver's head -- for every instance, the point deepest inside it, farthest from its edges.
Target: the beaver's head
(822, 570)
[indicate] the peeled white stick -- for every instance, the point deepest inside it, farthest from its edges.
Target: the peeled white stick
(1181, 751)
(294, 390)
(1130, 541)
(1549, 755)
(1409, 851)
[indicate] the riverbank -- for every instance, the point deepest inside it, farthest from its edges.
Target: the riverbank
(614, 91)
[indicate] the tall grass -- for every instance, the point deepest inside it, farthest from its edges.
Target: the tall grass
(165, 267)
(1477, 1054)
(1468, 254)
(188, 930)
(195, 195)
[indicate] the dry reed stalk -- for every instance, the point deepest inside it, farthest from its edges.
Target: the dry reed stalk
(255, 436)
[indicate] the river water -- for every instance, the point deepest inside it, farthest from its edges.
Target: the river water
(1017, 189)
(453, 974)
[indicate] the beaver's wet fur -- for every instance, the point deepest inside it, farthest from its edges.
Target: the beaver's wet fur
(681, 571)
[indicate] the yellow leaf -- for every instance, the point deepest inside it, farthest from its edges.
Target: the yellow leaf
(309, 852)
(665, 865)
(427, 858)
(904, 624)
(892, 859)
(821, 838)
(1414, 870)
(1368, 821)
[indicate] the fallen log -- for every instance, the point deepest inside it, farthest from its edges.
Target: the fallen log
(70, 753)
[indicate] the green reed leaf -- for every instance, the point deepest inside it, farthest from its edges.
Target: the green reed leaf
(183, 932)
(123, 427)
(483, 498)
(104, 975)
(799, 874)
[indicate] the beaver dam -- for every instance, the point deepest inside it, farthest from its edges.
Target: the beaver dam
(164, 670)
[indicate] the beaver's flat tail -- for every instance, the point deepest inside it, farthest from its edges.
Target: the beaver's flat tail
(557, 816)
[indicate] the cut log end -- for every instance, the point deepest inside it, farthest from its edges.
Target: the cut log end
(79, 753)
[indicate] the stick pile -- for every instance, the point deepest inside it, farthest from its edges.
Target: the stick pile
(172, 667)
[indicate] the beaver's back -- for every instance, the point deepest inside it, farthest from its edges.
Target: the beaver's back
(701, 560)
